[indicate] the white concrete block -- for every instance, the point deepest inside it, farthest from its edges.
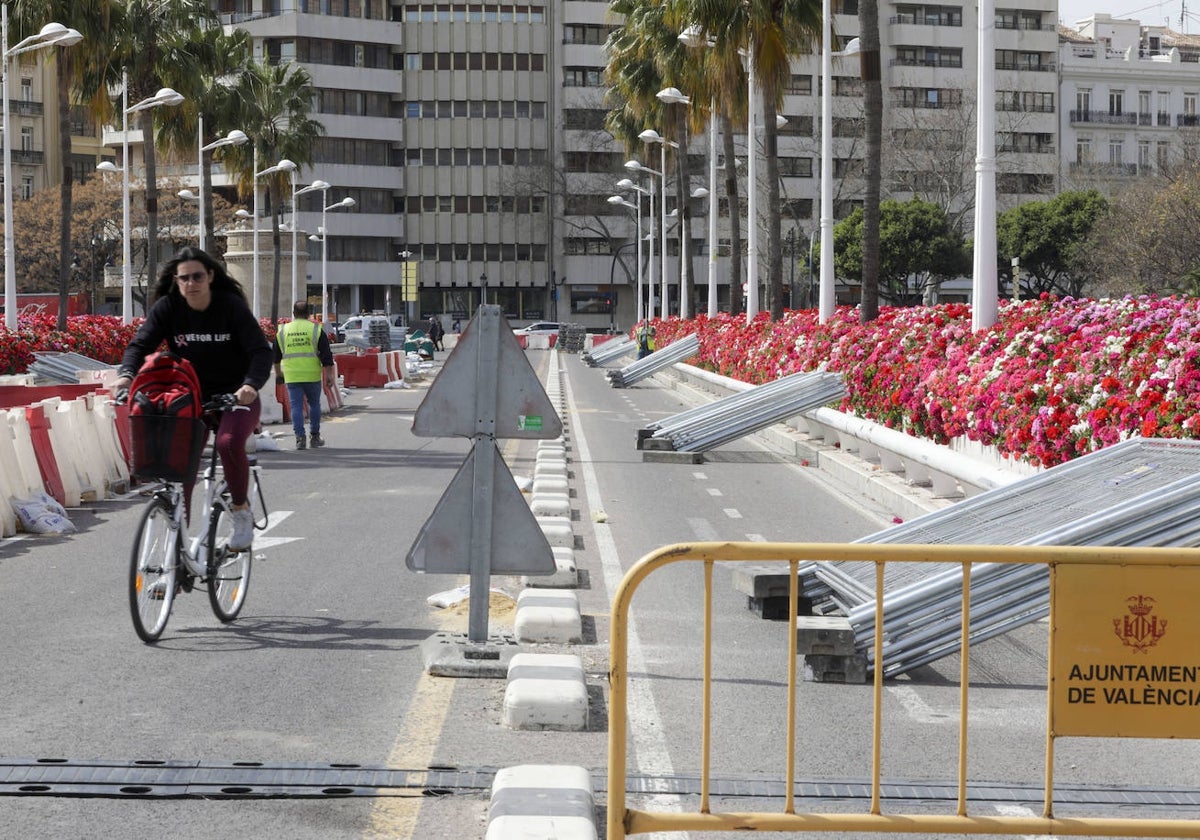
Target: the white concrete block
(557, 530)
(566, 575)
(542, 802)
(547, 470)
(551, 504)
(548, 616)
(546, 692)
(551, 484)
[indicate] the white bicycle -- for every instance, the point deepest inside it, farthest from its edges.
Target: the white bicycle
(166, 561)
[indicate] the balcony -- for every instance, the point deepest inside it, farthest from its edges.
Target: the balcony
(29, 156)
(1187, 120)
(1047, 67)
(925, 20)
(1104, 118)
(25, 108)
(1105, 170)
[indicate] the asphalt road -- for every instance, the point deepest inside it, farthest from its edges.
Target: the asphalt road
(322, 675)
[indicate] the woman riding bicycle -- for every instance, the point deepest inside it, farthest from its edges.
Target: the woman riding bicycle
(202, 314)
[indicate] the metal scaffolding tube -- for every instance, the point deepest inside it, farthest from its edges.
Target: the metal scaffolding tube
(610, 351)
(1138, 492)
(677, 351)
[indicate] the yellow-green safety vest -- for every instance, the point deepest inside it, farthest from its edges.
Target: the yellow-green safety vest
(298, 344)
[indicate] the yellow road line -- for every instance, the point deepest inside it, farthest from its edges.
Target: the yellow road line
(396, 817)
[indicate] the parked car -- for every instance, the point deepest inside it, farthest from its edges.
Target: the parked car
(356, 330)
(538, 328)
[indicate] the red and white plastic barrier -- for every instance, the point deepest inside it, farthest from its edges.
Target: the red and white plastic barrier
(57, 441)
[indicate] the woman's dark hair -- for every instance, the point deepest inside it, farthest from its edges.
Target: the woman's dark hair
(221, 281)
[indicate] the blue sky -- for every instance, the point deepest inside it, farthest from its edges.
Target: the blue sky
(1148, 13)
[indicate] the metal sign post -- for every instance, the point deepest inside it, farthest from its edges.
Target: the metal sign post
(482, 525)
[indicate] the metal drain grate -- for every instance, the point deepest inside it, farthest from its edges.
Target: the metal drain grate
(149, 779)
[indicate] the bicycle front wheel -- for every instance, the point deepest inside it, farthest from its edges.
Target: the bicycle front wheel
(228, 571)
(152, 570)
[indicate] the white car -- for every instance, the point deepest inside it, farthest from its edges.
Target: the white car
(538, 328)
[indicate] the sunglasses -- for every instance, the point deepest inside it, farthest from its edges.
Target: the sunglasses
(195, 277)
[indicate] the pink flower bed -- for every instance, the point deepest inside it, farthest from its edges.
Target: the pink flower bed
(100, 337)
(1053, 379)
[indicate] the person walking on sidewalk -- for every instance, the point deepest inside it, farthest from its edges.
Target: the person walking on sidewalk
(202, 314)
(303, 362)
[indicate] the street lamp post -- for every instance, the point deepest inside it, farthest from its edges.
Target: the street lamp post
(51, 35)
(284, 165)
(627, 184)
(234, 138)
(673, 96)
(324, 240)
(635, 166)
(693, 36)
(637, 212)
(483, 289)
(165, 96)
(652, 136)
(316, 186)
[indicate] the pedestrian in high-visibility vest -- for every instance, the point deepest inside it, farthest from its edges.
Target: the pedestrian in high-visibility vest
(303, 361)
(645, 340)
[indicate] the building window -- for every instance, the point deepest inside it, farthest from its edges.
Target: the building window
(1116, 102)
(27, 187)
(1083, 150)
(1143, 156)
(583, 77)
(1116, 150)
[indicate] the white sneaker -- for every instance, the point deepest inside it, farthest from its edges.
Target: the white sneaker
(243, 529)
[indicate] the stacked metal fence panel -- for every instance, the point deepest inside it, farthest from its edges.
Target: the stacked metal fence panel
(743, 413)
(1141, 492)
(676, 351)
(571, 337)
(63, 367)
(610, 351)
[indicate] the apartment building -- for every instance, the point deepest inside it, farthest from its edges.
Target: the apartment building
(33, 120)
(1130, 97)
(471, 136)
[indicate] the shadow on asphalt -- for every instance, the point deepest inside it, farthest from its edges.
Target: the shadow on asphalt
(298, 633)
(342, 458)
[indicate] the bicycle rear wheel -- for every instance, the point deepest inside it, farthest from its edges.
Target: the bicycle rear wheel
(228, 571)
(152, 569)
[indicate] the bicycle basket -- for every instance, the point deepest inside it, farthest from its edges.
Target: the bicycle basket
(166, 448)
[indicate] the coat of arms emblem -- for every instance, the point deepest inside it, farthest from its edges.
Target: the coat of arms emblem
(1141, 629)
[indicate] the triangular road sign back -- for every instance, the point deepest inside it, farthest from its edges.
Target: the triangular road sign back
(487, 349)
(518, 546)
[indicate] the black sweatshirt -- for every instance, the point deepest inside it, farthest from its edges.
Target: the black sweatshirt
(224, 343)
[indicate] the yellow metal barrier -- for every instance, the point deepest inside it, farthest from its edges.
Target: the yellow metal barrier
(1075, 575)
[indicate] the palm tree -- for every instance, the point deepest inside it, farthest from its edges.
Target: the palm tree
(209, 99)
(272, 107)
(151, 40)
(774, 31)
(90, 18)
(868, 15)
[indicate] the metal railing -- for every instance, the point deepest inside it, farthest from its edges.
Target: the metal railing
(1068, 568)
